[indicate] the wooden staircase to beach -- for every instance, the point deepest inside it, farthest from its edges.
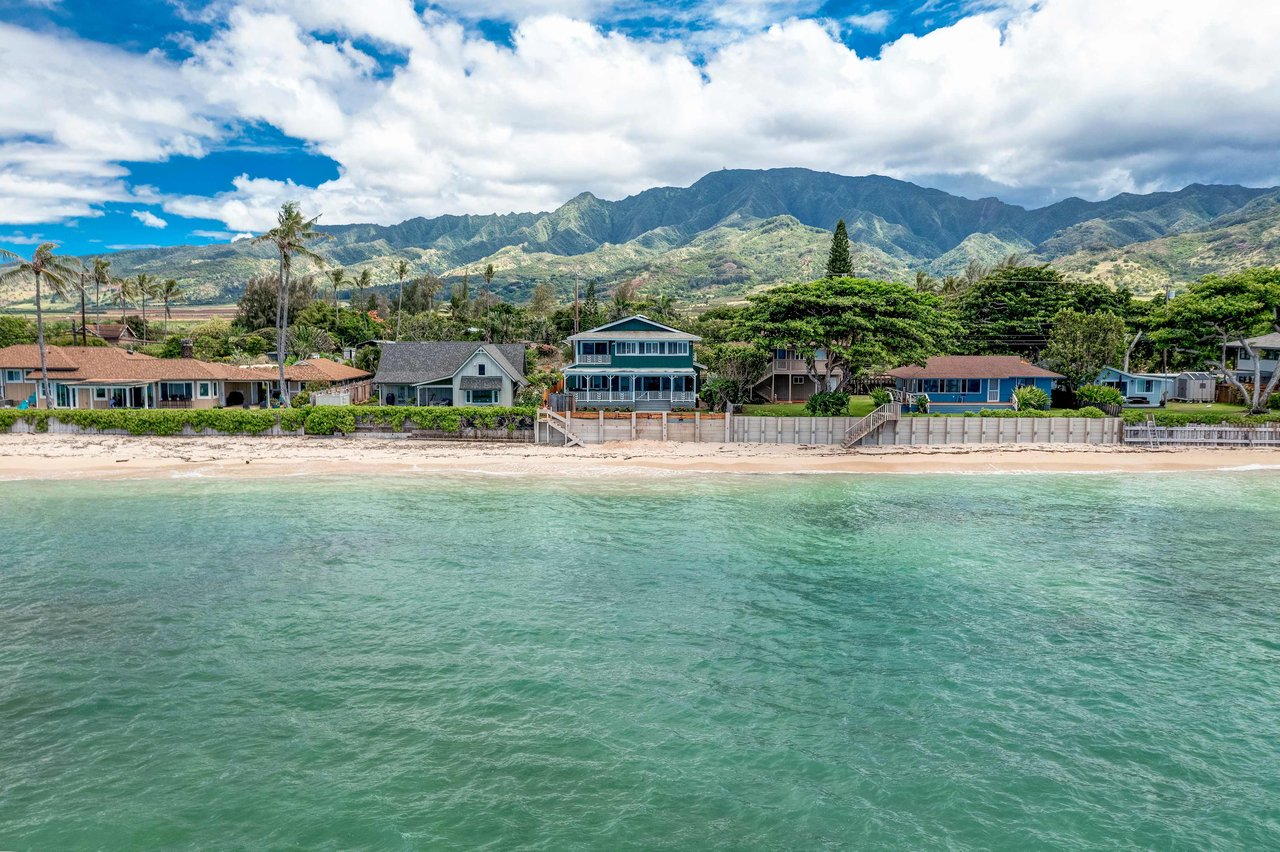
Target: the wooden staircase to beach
(887, 413)
(560, 423)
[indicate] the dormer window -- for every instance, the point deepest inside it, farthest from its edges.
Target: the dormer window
(479, 369)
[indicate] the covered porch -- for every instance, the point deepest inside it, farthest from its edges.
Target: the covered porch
(640, 389)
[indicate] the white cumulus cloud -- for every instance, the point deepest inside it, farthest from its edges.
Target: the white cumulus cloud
(1030, 100)
(149, 219)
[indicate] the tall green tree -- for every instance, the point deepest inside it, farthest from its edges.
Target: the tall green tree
(1218, 313)
(735, 369)
(291, 237)
(590, 307)
(839, 263)
(1011, 309)
(102, 280)
(46, 270)
(402, 272)
(362, 282)
(169, 292)
(144, 288)
(859, 326)
(1081, 344)
(337, 277)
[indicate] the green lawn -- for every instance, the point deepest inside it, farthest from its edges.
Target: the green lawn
(1206, 407)
(859, 406)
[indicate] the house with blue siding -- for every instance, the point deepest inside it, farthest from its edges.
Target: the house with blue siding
(633, 363)
(956, 384)
(1140, 390)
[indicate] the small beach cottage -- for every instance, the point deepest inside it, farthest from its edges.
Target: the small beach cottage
(955, 384)
(1140, 390)
(450, 372)
(635, 363)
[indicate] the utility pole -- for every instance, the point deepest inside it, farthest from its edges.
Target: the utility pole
(84, 327)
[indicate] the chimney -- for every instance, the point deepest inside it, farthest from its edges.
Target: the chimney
(188, 348)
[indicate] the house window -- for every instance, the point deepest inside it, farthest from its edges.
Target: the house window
(175, 390)
(951, 386)
(780, 355)
(482, 397)
(207, 389)
(63, 397)
(479, 369)
(973, 385)
(799, 380)
(933, 386)
(13, 376)
(598, 347)
(99, 393)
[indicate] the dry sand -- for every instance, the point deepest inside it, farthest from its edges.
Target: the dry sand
(34, 456)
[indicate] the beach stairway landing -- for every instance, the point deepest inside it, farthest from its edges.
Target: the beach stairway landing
(559, 423)
(886, 413)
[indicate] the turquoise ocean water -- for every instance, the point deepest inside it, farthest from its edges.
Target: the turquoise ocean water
(1014, 662)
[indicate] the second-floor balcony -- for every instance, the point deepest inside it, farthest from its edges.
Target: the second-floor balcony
(593, 359)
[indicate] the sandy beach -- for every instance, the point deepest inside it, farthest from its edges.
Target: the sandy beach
(24, 457)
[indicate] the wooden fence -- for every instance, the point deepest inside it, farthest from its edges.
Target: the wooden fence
(601, 427)
(1202, 436)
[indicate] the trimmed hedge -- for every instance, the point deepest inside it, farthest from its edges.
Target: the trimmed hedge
(1138, 416)
(316, 420)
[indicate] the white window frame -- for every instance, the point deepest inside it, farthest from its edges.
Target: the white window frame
(480, 368)
(206, 390)
(497, 397)
(13, 377)
(100, 394)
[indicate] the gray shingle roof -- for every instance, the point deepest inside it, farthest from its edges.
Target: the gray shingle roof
(412, 363)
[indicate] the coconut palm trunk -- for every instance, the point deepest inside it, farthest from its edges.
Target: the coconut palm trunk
(44, 365)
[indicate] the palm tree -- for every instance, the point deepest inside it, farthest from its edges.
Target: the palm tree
(144, 287)
(337, 277)
(365, 279)
(101, 279)
(47, 268)
(308, 339)
(402, 272)
(290, 237)
(122, 296)
(169, 291)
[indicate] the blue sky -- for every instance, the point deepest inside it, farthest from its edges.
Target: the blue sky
(177, 121)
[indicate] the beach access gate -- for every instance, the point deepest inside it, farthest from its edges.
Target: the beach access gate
(598, 427)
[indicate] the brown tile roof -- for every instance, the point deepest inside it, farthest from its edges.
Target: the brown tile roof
(974, 367)
(92, 364)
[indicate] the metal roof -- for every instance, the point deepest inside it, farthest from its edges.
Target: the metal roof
(428, 361)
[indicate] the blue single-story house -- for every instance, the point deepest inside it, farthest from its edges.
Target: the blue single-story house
(960, 383)
(1141, 390)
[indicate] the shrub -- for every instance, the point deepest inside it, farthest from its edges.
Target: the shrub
(330, 420)
(1273, 402)
(880, 396)
(827, 404)
(1099, 395)
(922, 402)
(1090, 411)
(301, 399)
(1031, 398)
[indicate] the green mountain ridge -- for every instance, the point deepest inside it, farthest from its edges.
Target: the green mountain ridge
(736, 230)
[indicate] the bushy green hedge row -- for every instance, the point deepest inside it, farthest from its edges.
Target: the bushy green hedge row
(316, 420)
(1138, 416)
(232, 421)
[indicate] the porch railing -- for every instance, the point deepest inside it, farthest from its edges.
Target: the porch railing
(634, 396)
(174, 403)
(593, 359)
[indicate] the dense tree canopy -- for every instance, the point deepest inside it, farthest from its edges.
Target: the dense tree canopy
(1081, 344)
(862, 326)
(1010, 310)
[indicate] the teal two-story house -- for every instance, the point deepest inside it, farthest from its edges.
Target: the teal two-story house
(633, 363)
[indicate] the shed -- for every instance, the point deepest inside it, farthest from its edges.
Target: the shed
(1195, 387)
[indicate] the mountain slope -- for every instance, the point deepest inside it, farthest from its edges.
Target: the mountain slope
(734, 230)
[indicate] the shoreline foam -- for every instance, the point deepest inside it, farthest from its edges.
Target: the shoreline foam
(69, 457)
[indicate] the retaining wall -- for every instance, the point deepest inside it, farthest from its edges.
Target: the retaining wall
(924, 431)
(600, 427)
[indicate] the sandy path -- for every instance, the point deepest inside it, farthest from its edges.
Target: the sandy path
(109, 456)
